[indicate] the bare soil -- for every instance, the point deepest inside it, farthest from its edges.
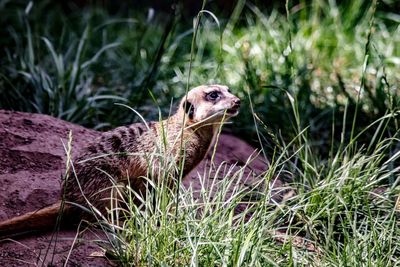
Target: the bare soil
(32, 162)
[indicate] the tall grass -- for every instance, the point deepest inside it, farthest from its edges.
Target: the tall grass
(340, 212)
(77, 66)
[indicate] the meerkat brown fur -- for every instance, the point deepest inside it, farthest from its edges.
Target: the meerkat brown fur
(123, 154)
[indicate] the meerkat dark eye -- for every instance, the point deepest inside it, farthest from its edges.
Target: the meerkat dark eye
(213, 95)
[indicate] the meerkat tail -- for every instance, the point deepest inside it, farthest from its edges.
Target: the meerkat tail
(39, 220)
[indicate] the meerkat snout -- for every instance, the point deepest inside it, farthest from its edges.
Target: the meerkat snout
(234, 110)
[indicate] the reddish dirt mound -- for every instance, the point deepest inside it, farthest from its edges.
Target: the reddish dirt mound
(32, 161)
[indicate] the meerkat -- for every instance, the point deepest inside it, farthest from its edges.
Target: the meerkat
(123, 154)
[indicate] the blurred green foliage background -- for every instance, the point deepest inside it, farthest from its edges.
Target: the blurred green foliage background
(75, 59)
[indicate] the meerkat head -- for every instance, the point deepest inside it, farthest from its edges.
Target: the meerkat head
(210, 103)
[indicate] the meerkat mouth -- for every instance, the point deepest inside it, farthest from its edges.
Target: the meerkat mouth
(233, 111)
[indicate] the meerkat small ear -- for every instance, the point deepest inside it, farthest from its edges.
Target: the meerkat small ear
(189, 109)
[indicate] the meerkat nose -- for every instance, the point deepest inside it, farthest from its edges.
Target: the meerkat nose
(236, 101)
